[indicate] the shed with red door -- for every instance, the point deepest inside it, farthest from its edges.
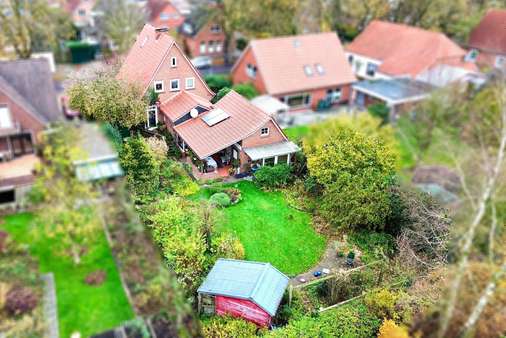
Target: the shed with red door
(250, 290)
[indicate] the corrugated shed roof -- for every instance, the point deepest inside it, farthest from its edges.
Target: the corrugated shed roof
(406, 50)
(31, 83)
(258, 282)
(490, 34)
(206, 140)
(281, 62)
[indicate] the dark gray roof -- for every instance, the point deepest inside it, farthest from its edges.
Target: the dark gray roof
(398, 89)
(33, 82)
(258, 282)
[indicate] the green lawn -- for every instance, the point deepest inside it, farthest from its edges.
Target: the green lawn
(83, 308)
(271, 231)
(296, 133)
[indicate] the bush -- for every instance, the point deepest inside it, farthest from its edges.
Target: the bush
(391, 330)
(218, 82)
(228, 246)
(220, 199)
(20, 300)
(381, 111)
(382, 303)
(158, 147)
(274, 177)
(114, 135)
(218, 327)
(175, 180)
(222, 92)
(374, 245)
(247, 90)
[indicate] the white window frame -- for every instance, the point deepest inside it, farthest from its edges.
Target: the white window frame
(152, 109)
(500, 61)
(157, 83)
(210, 47)
(251, 70)
(266, 133)
(173, 62)
(219, 45)
(7, 118)
(193, 83)
(203, 47)
(178, 85)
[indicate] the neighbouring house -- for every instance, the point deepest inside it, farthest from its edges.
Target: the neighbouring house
(203, 38)
(487, 41)
(83, 17)
(227, 137)
(304, 71)
(398, 94)
(28, 104)
(387, 50)
(162, 13)
(249, 290)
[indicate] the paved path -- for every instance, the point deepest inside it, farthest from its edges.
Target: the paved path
(50, 306)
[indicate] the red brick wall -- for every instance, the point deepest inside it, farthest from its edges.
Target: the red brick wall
(205, 35)
(183, 70)
(19, 115)
(239, 74)
(321, 93)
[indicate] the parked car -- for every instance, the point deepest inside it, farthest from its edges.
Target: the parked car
(202, 62)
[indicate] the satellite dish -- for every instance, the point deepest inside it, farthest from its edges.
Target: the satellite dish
(194, 113)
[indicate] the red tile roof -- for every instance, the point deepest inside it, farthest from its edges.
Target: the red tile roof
(182, 103)
(490, 34)
(244, 120)
(406, 50)
(281, 62)
(157, 8)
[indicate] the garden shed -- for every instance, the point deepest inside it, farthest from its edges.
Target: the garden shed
(250, 290)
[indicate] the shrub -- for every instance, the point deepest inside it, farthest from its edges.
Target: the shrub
(391, 330)
(114, 135)
(218, 82)
(273, 177)
(222, 92)
(374, 245)
(382, 303)
(218, 327)
(220, 199)
(381, 111)
(158, 147)
(174, 179)
(247, 90)
(228, 246)
(20, 300)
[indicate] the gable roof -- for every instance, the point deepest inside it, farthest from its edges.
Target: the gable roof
(258, 282)
(406, 50)
(30, 83)
(490, 34)
(244, 119)
(181, 103)
(146, 56)
(157, 8)
(281, 62)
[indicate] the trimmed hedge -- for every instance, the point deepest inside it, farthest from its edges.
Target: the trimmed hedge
(273, 177)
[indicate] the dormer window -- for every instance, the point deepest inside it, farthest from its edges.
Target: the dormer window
(174, 85)
(308, 70)
(173, 61)
(159, 87)
(319, 69)
(371, 69)
(215, 28)
(264, 131)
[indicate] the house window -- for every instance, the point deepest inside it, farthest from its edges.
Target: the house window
(358, 66)
(218, 46)
(319, 69)
(159, 87)
(371, 69)
(264, 131)
(500, 61)
(299, 100)
(152, 117)
(211, 46)
(308, 70)
(215, 28)
(5, 117)
(164, 16)
(173, 61)
(334, 95)
(269, 161)
(7, 196)
(350, 59)
(174, 85)
(203, 47)
(190, 83)
(81, 12)
(251, 70)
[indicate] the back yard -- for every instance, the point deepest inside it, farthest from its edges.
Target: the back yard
(81, 307)
(270, 230)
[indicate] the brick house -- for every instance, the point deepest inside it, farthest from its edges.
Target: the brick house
(203, 38)
(28, 104)
(231, 133)
(162, 13)
(301, 70)
(386, 50)
(487, 41)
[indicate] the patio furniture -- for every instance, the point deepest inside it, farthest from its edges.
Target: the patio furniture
(210, 164)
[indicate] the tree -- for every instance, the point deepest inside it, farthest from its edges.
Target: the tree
(28, 25)
(121, 21)
(66, 211)
(108, 99)
(356, 170)
(247, 90)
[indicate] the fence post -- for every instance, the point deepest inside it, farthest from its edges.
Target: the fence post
(290, 291)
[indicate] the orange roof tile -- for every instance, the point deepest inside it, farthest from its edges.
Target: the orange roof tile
(406, 50)
(490, 34)
(244, 120)
(182, 103)
(281, 62)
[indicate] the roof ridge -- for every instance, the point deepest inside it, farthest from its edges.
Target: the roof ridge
(259, 280)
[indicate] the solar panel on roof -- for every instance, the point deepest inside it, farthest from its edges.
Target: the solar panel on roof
(215, 116)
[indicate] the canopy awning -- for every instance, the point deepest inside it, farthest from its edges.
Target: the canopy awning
(271, 150)
(394, 91)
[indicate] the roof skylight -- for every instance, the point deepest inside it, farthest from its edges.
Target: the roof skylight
(308, 70)
(214, 117)
(319, 69)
